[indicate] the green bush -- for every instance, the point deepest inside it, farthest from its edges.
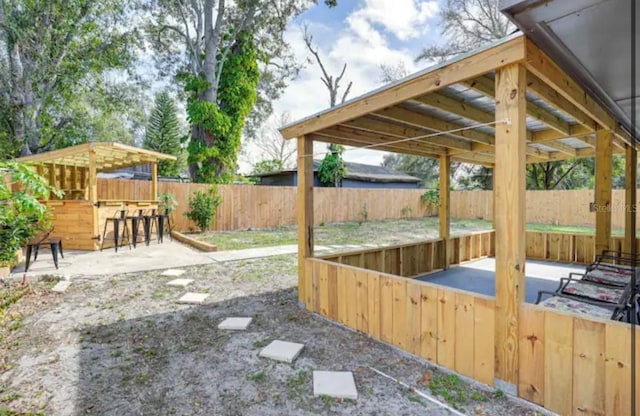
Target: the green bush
(431, 197)
(203, 206)
(22, 215)
(168, 203)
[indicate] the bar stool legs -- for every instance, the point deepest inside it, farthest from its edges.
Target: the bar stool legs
(116, 220)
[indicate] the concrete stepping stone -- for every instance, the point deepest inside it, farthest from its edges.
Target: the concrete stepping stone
(282, 351)
(193, 298)
(173, 272)
(338, 384)
(180, 282)
(61, 286)
(235, 324)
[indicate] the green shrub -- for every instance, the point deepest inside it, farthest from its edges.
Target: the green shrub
(168, 203)
(203, 206)
(22, 215)
(431, 197)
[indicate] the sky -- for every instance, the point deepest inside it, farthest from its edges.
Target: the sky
(364, 34)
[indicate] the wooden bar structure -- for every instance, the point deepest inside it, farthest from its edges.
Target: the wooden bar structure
(79, 216)
(502, 106)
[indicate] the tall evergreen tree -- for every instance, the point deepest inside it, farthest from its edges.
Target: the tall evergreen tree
(163, 135)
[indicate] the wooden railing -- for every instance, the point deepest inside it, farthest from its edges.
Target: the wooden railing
(573, 365)
(446, 326)
(419, 258)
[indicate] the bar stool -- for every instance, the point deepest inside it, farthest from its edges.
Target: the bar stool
(151, 219)
(137, 219)
(119, 218)
(53, 243)
(162, 218)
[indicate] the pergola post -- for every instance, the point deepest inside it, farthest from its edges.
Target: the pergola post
(631, 177)
(154, 181)
(604, 152)
(444, 209)
(509, 219)
(93, 177)
(305, 215)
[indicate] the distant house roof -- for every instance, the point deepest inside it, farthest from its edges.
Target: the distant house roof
(361, 172)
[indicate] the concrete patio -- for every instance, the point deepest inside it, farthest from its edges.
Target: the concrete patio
(479, 276)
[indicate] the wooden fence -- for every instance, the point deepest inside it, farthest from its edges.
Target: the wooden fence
(543, 207)
(246, 206)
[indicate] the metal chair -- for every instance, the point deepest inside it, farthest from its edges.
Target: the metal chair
(118, 219)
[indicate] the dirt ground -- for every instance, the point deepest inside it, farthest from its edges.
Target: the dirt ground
(120, 345)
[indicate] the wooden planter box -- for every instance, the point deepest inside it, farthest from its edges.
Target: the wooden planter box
(200, 245)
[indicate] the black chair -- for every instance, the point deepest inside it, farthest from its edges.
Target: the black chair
(152, 224)
(118, 219)
(164, 218)
(137, 219)
(53, 243)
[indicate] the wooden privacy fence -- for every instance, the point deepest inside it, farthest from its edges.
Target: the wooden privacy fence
(247, 206)
(543, 207)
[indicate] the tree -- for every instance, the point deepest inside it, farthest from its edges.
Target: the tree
(330, 81)
(267, 166)
(421, 167)
(52, 55)
(276, 153)
(391, 73)
(163, 135)
(223, 51)
(332, 169)
(467, 25)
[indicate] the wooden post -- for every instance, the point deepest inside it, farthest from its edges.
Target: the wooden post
(631, 178)
(93, 177)
(305, 217)
(154, 181)
(509, 194)
(444, 211)
(604, 152)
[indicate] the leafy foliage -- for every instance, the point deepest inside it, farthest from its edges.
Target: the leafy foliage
(332, 169)
(163, 135)
(267, 166)
(203, 206)
(168, 202)
(54, 57)
(22, 215)
(214, 150)
(431, 197)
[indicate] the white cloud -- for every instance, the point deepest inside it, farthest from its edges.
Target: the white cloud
(364, 42)
(405, 19)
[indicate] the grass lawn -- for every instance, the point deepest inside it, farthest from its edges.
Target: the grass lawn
(370, 232)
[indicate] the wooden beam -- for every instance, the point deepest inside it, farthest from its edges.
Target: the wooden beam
(425, 121)
(509, 194)
(385, 127)
(340, 134)
(495, 56)
(486, 86)
(444, 209)
(154, 181)
(544, 68)
(531, 151)
(305, 218)
(460, 108)
(603, 189)
(631, 184)
(325, 137)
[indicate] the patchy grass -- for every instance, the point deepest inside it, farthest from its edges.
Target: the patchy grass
(451, 388)
(258, 377)
(368, 232)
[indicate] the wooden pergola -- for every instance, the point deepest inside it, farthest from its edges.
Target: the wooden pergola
(502, 106)
(80, 215)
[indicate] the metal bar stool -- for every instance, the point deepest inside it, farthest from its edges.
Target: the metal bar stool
(161, 221)
(137, 219)
(151, 222)
(53, 243)
(119, 218)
